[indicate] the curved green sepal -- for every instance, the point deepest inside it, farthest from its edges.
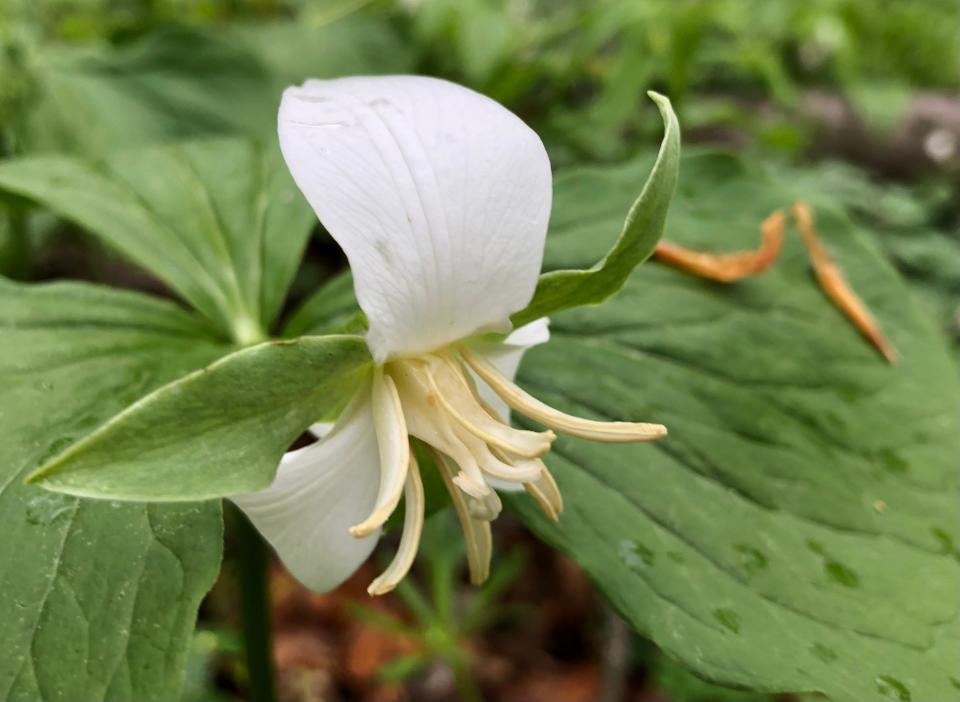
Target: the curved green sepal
(642, 229)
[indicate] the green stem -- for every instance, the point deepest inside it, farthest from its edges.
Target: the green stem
(252, 562)
(14, 247)
(466, 688)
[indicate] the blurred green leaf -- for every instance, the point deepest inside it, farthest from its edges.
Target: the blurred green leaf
(219, 221)
(218, 431)
(99, 598)
(180, 82)
(775, 539)
(175, 83)
(331, 309)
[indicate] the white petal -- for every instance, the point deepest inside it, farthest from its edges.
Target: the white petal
(506, 356)
(438, 195)
(319, 492)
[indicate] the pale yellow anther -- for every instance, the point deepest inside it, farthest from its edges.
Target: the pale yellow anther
(414, 506)
(486, 508)
(394, 448)
(529, 406)
(470, 486)
(476, 532)
(461, 401)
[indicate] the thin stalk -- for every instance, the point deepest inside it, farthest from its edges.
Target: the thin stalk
(252, 562)
(466, 688)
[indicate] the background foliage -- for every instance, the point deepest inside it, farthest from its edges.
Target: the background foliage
(798, 531)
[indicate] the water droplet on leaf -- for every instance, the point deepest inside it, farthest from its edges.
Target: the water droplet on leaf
(47, 508)
(752, 559)
(635, 556)
(841, 574)
(728, 618)
(827, 655)
(893, 462)
(892, 688)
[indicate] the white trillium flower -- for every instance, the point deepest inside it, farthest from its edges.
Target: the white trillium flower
(440, 198)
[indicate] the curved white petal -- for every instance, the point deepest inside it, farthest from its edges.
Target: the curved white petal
(319, 492)
(438, 195)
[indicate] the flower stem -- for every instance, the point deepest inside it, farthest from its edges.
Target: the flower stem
(466, 688)
(252, 561)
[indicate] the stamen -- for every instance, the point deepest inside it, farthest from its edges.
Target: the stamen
(518, 399)
(485, 508)
(547, 495)
(476, 532)
(429, 423)
(470, 486)
(471, 415)
(835, 285)
(414, 505)
(394, 448)
(518, 471)
(542, 489)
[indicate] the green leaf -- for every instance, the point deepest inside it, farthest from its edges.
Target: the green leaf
(332, 309)
(563, 289)
(220, 221)
(99, 598)
(175, 83)
(218, 431)
(908, 225)
(179, 83)
(798, 529)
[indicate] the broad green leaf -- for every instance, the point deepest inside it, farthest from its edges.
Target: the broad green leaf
(798, 528)
(99, 598)
(173, 84)
(332, 309)
(181, 83)
(218, 431)
(906, 224)
(364, 43)
(563, 289)
(220, 221)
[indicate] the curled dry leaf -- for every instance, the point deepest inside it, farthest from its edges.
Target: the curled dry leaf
(837, 288)
(728, 268)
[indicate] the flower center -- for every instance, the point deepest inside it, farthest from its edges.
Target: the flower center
(436, 399)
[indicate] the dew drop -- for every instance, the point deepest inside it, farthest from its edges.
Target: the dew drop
(47, 508)
(728, 618)
(752, 559)
(841, 574)
(835, 570)
(827, 655)
(636, 557)
(946, 541)
(893, 462)
(815, 546)
(892, 688)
